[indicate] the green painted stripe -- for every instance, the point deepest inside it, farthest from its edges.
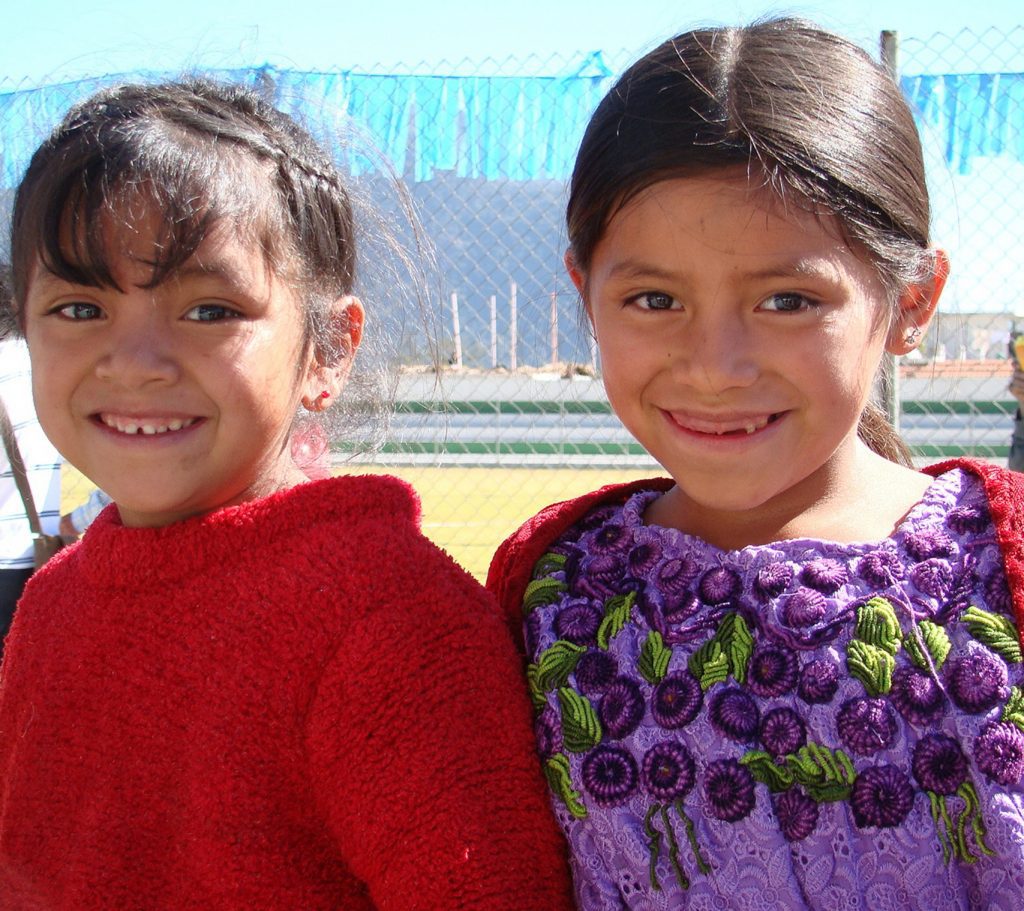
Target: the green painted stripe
(613, 449)
(513, 407)
(910, 406)
(958, 407)
(491, 448)
(931, 451)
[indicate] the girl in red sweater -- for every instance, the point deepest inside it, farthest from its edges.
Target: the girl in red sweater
(242, 689)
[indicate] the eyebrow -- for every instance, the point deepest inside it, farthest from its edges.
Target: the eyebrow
(820, 270)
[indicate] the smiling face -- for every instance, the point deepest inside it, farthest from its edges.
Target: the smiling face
(738, 343)
(176, 399)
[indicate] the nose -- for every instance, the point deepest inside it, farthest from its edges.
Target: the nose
(138, 351)
(714, 353)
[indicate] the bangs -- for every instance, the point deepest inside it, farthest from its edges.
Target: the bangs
(185, 185)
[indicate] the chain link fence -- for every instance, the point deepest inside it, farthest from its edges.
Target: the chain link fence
(499, 407)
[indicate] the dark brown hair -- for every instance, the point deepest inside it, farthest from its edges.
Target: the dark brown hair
(800, 108)
(195, 150)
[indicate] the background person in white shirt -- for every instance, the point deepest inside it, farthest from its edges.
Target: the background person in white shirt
(43, 465)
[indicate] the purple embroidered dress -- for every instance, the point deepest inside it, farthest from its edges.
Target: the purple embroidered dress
(802, 724)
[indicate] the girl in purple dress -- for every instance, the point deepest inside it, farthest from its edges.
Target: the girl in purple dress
(788, 676)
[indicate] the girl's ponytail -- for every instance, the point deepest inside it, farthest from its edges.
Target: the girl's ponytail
(881, 437)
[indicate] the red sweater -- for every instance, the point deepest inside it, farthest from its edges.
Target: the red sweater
(512, 566)
(296, 703)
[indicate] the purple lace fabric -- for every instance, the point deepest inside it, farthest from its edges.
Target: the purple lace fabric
(802, 724)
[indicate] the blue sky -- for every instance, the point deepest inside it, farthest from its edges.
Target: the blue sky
(48, 40)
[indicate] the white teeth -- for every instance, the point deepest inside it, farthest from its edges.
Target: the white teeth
(134, 427)
(750, 429)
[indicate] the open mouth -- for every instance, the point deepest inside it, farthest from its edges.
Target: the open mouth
(738, 427)
(145, 426)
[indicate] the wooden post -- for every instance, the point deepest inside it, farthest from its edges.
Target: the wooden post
(513, 328)
(456, 330)
(493, 302)
(553, 327)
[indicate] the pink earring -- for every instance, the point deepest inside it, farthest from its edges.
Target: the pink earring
(325, 394)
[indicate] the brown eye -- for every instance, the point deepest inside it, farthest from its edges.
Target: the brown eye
(79, 310)
(655, 300)
(788, 302)
(210, 313)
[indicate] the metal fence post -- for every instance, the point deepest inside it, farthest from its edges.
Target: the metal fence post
(889, 375)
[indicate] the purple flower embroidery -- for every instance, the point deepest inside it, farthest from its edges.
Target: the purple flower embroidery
(997, 594)
(825, 575)
(622, 708)
(797, 813)
(977, 680)
(719, 585)
(549, 733)
(599, 576)
(772, 670)
(674, 575)
(819, 680)
(594, 671)
(646, 552)
(966, 520)
(668, 771)
(593, 519)
(676, 617)
(578, 621)
(728, 790)
(804, 608)
(676, 701)
(866, 725)
(880, 568)
(782, 732)
(609, 774)
(933, 577)
(929, 542)
(735, 714)
(772, 580)
(999, 752)
(917, 696)
(939, 764)
(610, 538)
(882, 796)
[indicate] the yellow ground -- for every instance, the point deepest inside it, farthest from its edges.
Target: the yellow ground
(467, 511)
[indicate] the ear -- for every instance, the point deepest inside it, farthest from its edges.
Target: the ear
(579, 280)
(331, 364)
(916, 307)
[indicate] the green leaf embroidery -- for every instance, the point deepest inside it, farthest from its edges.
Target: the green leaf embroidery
(767, 771)
(737, 643)
(581, 730)
(928, 645)
(537, 696)
(878, 625)
(556, 770)
(654, 658)
(1013, 711)
(871, 665)
(995, 631)
(548, 564)
(825, 775)
(540, 592)
(727, 652)
(556, 663)
(616, 614)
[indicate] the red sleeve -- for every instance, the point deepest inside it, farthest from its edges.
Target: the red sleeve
(512, 565)
(423, 754)
(1005, 491)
